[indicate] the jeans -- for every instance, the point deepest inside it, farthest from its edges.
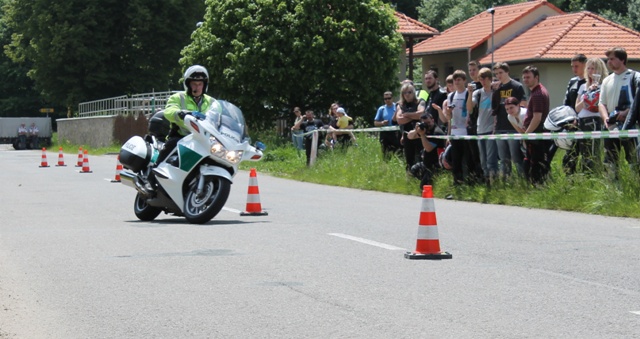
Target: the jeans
(510, 151)
(488, 157)
(297, 139)
(538, 162)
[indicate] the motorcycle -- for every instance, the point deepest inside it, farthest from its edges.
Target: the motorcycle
(194, 180)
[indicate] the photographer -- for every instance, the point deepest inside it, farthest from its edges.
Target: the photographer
(425, 169)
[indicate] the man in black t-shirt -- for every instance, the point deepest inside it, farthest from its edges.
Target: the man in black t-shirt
(437, 95)
(425, 169)
(570, 158)
(508, 150)
(309, 124)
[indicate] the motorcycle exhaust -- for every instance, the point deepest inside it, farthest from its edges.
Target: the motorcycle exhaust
(128, 179)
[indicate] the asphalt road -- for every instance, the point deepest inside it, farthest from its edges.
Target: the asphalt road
(327, 262)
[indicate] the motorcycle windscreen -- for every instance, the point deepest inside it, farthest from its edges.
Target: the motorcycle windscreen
(228, 119)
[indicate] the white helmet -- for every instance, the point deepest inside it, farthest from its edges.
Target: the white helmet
(559, 117)
(196, 72)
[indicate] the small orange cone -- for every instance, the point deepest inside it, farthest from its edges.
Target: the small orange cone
(85, 163)
(43, 162)
(60, 158)
(428, 244)
(79, 163)
(118, 170)
(253, 196)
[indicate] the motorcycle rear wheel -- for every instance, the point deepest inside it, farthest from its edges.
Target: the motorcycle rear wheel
(199, 209)
(143, 211)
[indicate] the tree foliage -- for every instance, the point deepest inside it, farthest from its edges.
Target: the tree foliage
(79, 51)
(17, 96)
(282, 53)
(443, 14)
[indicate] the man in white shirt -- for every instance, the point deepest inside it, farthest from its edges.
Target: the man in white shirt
(455, 112)
(616, 98)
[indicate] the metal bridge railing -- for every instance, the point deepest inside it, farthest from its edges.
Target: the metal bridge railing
(144, 103)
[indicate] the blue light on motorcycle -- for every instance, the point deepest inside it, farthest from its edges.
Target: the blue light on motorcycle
(261, 146)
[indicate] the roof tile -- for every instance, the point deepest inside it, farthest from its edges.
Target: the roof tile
(409, 26)
(473, 31)
(561, 37)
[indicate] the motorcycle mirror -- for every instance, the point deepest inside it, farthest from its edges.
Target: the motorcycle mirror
(261, 146)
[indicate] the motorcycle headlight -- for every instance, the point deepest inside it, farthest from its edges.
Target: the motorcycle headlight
(218, 150)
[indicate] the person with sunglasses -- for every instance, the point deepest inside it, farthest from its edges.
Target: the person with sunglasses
(389, 140)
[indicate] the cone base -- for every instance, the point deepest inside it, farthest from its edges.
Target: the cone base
(428, 256)
(253, 213)
(78, 166)
(116, 181)
(61, 165)
(44, 166)
(85, 172)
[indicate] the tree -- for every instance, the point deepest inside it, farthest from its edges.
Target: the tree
(278, 54)
(81, 51)
(17, 96)
(408, 7)
(443, 14)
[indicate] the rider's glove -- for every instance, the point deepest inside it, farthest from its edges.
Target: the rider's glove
(182, 114)
(198, 115)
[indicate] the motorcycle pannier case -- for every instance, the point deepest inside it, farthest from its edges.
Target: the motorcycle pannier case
(135, 154)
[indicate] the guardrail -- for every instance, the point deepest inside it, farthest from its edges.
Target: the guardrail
(144, 103)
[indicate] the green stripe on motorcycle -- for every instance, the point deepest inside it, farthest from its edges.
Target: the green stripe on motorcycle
(188, 158)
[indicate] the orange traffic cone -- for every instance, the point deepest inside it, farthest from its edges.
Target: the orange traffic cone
(60, 158)
(253, 196)
(428, 244)
(85, 163)
(118, 170)
(79, 163)
(43, 162)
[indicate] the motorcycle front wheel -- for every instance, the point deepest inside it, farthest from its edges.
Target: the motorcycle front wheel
(200, 208)
(143, 211)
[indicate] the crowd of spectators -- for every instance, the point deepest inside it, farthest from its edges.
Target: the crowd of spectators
(483, 101)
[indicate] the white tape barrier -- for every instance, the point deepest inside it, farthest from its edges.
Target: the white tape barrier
(632, 133)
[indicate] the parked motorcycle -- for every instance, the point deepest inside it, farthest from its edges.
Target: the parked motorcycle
(195, 178)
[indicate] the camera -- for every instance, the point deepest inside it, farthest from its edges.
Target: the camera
(422, 126)
(418, 170)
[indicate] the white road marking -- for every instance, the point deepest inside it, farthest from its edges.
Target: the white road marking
(568, 277)
(635, 312)
(368, 242)
(231, 210)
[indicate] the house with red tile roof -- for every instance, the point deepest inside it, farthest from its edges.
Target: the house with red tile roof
(530, 33)
(412, 31)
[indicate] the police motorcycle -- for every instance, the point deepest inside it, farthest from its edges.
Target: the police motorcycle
(194, 179)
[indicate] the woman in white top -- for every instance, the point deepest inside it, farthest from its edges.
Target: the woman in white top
(515, 113)
(589, 118)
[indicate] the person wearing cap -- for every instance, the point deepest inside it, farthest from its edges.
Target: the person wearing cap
(425, 169)
(342, 122)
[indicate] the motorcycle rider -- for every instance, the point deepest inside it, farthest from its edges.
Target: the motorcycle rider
(192, 101)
